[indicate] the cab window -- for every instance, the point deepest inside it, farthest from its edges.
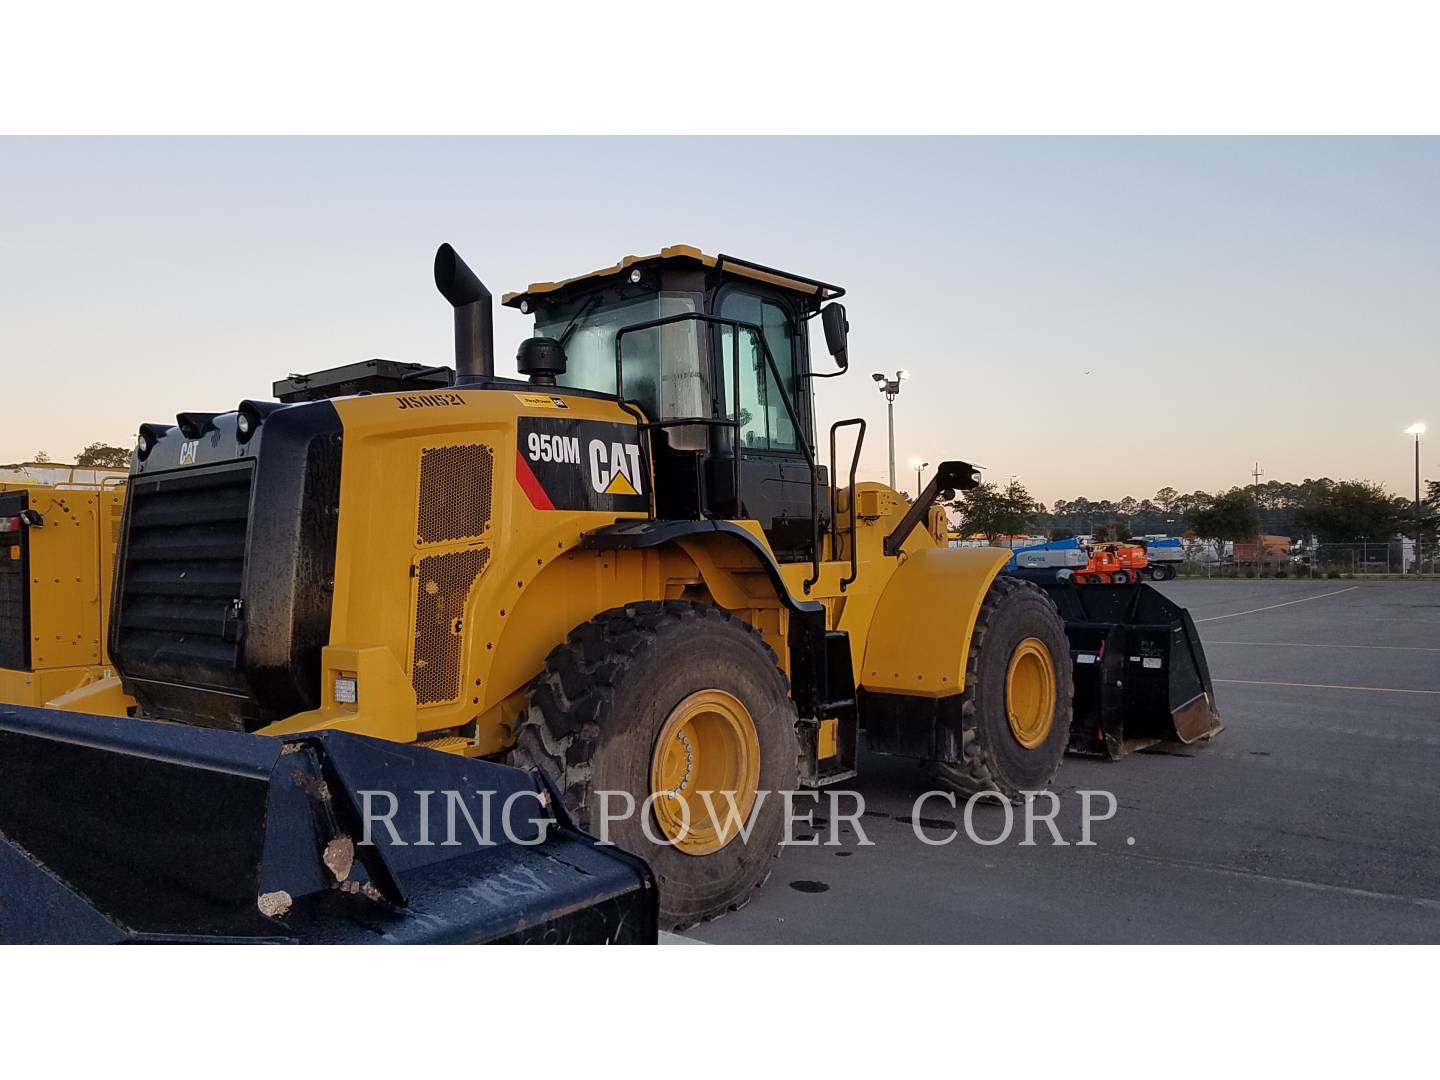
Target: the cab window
(663, 373)
(764, 422)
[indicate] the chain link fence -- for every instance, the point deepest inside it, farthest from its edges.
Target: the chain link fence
(1382, 558)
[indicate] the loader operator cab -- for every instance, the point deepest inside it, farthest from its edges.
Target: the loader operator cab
(713, 354)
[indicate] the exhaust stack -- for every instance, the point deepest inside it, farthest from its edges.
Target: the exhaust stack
(474, 316)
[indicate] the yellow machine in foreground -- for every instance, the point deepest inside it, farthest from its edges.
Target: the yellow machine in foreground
(57, 563)
(631, 571)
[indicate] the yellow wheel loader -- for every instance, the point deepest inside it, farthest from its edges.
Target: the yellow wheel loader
(57, 561)
(629, 570)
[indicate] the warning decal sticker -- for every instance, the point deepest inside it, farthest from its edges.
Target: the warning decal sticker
(542, 401)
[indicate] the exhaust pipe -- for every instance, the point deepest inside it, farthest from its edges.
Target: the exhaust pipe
(474, 317)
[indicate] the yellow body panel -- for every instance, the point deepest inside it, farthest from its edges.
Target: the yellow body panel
(853, 609)
(536, 585)
(72, 568)
(36, 688)
(384, 708)
(920, 634)
(102, 696)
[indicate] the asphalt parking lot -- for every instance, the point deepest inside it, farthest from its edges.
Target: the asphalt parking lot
(1312, 818)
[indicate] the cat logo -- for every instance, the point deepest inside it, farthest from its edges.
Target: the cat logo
(188, 449)
(615, 467)
(565, 463)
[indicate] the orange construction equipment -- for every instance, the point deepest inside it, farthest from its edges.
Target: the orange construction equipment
(1113, 564)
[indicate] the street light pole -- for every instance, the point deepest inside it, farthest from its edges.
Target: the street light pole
(919, 467)
(890, 416)
(1417, 430)
(891, 389)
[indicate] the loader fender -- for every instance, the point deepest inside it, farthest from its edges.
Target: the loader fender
(919, 635)
(648, 534)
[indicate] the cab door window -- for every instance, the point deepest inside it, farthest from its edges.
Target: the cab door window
(764, 422)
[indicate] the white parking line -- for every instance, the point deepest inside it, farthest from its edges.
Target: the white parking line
(1324, 686)
(1316, 645)
(1272, 607)
(1299, 883)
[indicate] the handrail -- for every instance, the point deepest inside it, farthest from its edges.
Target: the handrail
(736, 326)
(648, 425)
(834, 509)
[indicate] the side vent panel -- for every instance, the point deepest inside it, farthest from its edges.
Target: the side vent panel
(444, 582)
(456, 484)
(117, 516)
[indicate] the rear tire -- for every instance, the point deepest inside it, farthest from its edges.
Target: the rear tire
(594, 720)
(1015, 617)
(1121, 577)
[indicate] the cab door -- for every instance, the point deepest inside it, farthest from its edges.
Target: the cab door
(775, 479)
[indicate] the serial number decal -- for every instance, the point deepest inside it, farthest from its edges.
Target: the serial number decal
(580, 465)
(427, 401)
(542, 401)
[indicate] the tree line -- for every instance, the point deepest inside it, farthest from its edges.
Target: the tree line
(96, 455)
(1333, 511)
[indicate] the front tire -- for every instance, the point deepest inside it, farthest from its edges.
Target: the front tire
(1016, 708)
(669, 699)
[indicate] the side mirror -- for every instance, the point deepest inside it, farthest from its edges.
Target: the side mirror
(837, 329)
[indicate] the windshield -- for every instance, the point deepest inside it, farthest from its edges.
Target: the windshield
(663, 369)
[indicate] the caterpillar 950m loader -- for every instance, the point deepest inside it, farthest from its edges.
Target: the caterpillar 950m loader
(629, 571)
(57, 559)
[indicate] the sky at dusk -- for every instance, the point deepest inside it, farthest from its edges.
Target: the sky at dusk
(1100, 317)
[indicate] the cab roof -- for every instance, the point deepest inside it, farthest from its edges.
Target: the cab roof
(727, 264)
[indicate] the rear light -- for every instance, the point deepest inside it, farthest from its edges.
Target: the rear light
(347, 690)
(9, 524)
(14, 552)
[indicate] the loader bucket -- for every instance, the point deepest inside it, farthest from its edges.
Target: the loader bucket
(1140, 671)
(121, 830)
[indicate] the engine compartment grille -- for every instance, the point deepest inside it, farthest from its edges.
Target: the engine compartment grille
(444, 583)
(456, 488)
(178, 606)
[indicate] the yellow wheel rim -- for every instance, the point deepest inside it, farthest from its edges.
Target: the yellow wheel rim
(708, 744)
(1030, 693)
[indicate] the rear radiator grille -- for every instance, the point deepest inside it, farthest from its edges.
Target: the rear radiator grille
(455, 492)
(443, 584)
(184, 573)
